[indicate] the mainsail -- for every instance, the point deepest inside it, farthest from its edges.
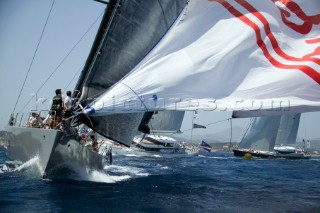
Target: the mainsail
(128, 31)
(266, 132)
(262, 134)
(166, 122)
(288, 129)
(245, 56)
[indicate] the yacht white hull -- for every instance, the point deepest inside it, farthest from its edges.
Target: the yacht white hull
(272, 154)
(292, 155)
(53, 148)
(133, 150)
(290, 152)
(160, 151)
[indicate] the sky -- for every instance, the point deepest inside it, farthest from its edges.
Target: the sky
(21, 25)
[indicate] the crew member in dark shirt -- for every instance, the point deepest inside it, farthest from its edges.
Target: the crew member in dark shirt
(56, 110)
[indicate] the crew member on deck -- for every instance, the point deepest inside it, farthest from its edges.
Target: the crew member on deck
(56, 110)
(94, 140)
(68, 105)
(32, 120)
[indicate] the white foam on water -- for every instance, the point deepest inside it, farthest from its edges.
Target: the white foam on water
(213, 157)
(30, 167)
(30, 163)
(165, 167)
(3, 168)
(100, 176)
(132, 171)
(9, 166)
(132, 155)
(314, 159)
(110, 174)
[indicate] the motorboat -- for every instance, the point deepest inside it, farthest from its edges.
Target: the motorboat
(158, 143)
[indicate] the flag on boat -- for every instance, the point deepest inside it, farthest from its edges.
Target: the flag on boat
(255, 57)
(205, 146)
(198, 126)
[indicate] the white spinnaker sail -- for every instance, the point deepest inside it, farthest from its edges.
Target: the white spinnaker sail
(228, 55)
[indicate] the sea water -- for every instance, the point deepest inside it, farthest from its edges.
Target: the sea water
(207, 182)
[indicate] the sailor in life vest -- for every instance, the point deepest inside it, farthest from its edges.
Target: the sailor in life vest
(56, 110)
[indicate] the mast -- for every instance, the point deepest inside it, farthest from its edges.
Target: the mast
(230, 119)
(95, 48)
(191, 130)
(194, 117)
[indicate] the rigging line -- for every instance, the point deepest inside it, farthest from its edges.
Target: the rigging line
(204, 125)
(34, 55)
(139, 99)
(216, 122)
(76, 44)
(248, 126)
(136, 95)
(75, 75)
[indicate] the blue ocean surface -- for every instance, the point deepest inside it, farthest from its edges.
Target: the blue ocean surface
(207, 182)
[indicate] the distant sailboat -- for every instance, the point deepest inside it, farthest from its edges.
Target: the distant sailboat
(266, 132)
(160, 144)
